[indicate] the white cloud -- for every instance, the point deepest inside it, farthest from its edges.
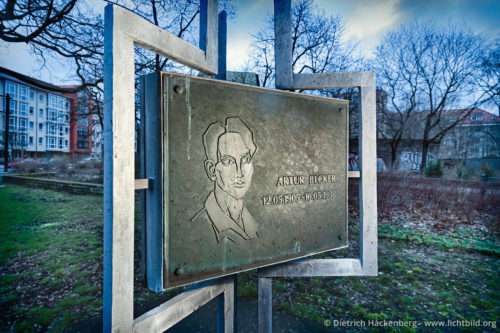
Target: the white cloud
(238, 49)
(371, 18)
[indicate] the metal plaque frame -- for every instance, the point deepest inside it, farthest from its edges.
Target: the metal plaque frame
(158, 91)
(123, 30)
(367, 264)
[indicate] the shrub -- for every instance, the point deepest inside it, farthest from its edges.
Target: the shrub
(59, 164)
(465, 173)
(487, 170)
(89, 163)
(27, 166)
(433, 169)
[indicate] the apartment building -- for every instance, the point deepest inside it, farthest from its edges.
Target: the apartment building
(81, 125)
(39, 117)
(44, 121)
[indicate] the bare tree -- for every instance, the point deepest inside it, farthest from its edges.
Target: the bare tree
(74, 33)
(317, 44)
(426, 70)
(25, 21)
(489, 80)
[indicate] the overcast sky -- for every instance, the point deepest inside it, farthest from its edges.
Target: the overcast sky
(366, 20)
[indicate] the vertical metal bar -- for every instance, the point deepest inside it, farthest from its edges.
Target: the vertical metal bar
(202, 43)
(153, 153)
(283, 43)
(6, 140)
(235, 302)
(220, 313)
(222, 53)
(141, 140)
(265, 305)
(119, 122)
(368, 181)
(212, 32)
(229, 307)
(208, 29)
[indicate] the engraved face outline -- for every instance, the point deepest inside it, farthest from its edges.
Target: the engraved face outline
(234, 168)
(229, 153)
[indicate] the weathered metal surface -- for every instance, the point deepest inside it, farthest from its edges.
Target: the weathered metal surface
(252, 177)
(265, 305)
(367, 264)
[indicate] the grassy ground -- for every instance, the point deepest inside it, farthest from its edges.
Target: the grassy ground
(51, 259)
(51, 271)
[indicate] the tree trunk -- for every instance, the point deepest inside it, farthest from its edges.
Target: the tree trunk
(393, 158)
(425, 151)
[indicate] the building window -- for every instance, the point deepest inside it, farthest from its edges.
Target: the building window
(22, 124)
(13, 107)
(52, 115)
(476, 117)
(41, 112)
(40, 140)
(31, 140)
(66, 130)
(60, 143)
(22, 139)
(61, 103)
(83, 144)
(32, 110)
(32, 125)
(83, 133)
(83, 121)
(12, 124)
(12, 139)
(23, 93)
(40, 127)
(66, 143)
(12, 89)
(32, 95)
(23, 109)
(51, 129)
(40, 98)
(51, 142)
(52, 101)
(67, 117)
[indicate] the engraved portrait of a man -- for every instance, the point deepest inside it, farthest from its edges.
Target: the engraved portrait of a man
(229, 151)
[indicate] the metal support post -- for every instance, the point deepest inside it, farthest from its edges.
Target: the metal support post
(222, 40)
(6, 139)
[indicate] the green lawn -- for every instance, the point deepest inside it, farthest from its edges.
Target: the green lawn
(51, 271)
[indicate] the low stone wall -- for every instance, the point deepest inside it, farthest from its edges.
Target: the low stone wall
(57, 185)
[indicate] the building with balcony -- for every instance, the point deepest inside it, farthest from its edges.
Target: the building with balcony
(39, 117)
(81, 122)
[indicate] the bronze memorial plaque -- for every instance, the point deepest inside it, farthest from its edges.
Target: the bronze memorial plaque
(249, 177)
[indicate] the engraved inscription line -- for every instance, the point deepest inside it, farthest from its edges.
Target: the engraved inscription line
(300, 179)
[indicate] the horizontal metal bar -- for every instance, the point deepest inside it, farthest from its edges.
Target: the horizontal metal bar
(142, 184)
(171, 312)
(157, 40)
(316, 267)
(333, 80)
(353, 174)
